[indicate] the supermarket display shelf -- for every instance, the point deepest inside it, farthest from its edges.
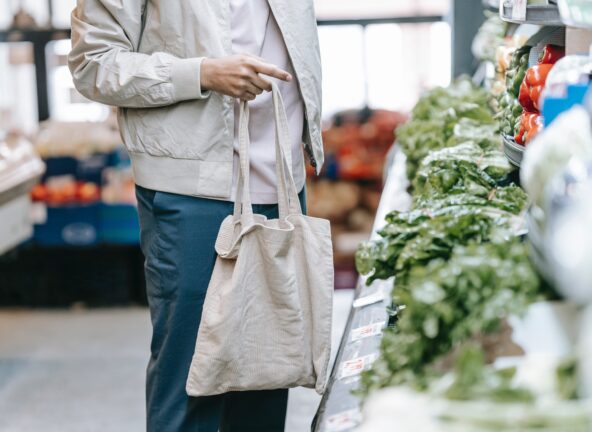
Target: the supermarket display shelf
(340, 408)
(514, 152)
(15, 227)
(571, 23)
(15, 209)
(575, 15)
(22, 188)
(537, 15)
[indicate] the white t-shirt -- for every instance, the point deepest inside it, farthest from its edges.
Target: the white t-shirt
(255, 31)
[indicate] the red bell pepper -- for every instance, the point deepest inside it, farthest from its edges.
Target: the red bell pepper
(530, 125)
(551, 54)
(532, 87)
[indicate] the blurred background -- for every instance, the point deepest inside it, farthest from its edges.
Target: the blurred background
(74, 330)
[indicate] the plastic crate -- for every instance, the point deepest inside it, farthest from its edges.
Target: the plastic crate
(119, 224)
(60, 166)
(87, 169)
(90, 168)
(73, 225)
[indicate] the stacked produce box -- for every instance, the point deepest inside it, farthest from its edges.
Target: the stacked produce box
(87, 194)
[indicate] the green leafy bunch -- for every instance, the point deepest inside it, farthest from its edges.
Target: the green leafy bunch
(447, 302)
(465, 168)
(434, 228)
(436, 116)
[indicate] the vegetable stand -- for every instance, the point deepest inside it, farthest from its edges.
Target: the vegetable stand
(20, 169)
(453, 357)
(340, 408)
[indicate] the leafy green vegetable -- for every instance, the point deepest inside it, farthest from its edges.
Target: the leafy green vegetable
(485, 135)
(463, 168)
(461, 91)
(435, 227)
(475, 381)
(449, 301)
(567, 379)
(436, 119)
(511, 199)
(458, 265)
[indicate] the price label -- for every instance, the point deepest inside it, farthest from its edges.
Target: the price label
(356, 366)
(519, 10)
(343, 421)
(367, 331)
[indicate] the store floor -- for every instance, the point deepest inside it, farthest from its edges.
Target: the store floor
(81, 370)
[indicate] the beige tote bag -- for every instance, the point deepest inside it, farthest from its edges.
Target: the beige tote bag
(266, 322)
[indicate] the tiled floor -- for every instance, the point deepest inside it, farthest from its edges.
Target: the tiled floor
(83, 371)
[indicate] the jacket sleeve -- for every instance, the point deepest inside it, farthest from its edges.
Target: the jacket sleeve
(107, 68)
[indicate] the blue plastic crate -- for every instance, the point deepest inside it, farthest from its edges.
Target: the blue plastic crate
(60, 166)
(90, 168)
(119, 224)
(71, 225)
(87, 169)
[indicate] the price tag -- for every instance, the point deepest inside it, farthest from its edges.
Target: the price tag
(343, 421)
(367, 331)
(519, 10)
(356, 366)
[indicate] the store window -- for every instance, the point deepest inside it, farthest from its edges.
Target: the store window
(332, 9)
(18, 102)
(40, 11)
(66, 103)
(383, 65)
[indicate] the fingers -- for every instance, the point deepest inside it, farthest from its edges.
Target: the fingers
(252, 88)
(271, 70)
(247, 96)
(262, 83)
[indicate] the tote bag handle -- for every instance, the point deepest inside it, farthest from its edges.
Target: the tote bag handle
(288, 202)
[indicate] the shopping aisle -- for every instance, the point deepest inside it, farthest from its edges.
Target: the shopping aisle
(83, 370)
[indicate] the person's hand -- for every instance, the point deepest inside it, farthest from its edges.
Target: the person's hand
(238, 76)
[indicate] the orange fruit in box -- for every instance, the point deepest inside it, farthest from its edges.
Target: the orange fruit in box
(39, 193)
(88, 193)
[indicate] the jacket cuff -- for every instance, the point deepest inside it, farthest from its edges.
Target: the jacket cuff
(186, 79)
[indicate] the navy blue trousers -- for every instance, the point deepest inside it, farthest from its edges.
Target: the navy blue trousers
(178, 234)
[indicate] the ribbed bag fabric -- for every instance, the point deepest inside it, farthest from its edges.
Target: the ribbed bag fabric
(266, 321)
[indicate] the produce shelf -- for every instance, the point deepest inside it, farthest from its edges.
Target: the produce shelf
(514, 152)
(538, 15)
(578, 14)
(340, 410)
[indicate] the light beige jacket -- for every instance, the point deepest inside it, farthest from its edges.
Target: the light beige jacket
(144, 56)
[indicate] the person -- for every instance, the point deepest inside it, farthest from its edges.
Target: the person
(176, 70)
